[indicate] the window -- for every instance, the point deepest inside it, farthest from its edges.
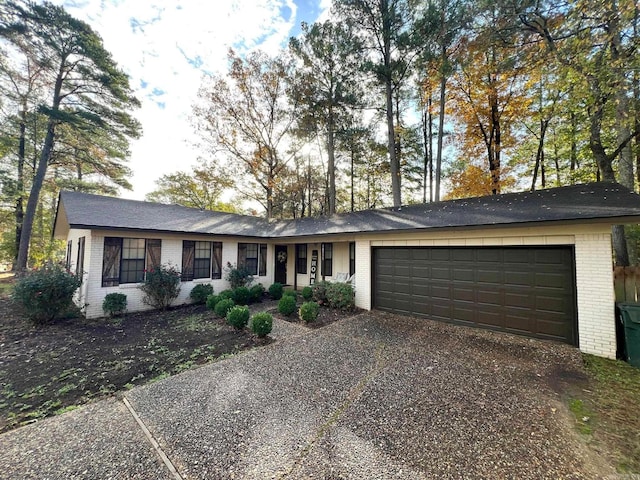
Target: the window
(301, 258)
(327, 259)
(252, 254)
(201, 260)
(132, 263)
(124, 259)
(67, 259)
(352, 258)
(80, 259)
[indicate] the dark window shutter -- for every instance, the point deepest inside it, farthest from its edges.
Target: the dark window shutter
(188, 253)
(111, 261)
(154, 253)
(263, 260)
(216, 259)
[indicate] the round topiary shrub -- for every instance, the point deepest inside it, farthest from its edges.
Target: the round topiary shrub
(341, 296)
(200, 292)
(212, 300)
(242, 296)
(223, 306)
(287, 305)
(225, 294)
(309, 311)
(261, 324)
(46, 294)
(275, 291)
(307, 293)
(238, 317)
(257, 292)
(114, 304)
(290, 293)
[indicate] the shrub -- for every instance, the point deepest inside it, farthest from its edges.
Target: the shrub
(275, 291)
(257, 292)
(237, 276)
(287, 305)
(225, 294)
(241, 295)
(340, 295)
(320, 291)
(261, 324)
(290, 293)
(114, 304)
(307, 293)
(238, 317)
(46, 294)
(309, 311)
(223, 306)
(212, 300)
(161, 286)
(200, 292)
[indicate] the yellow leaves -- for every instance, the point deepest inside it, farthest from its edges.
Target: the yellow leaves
(474, 181)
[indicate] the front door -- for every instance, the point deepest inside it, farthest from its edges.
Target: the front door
(280, 272)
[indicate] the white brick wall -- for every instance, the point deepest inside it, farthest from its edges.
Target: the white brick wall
(363, 274)
(596, 298)
(171, 253)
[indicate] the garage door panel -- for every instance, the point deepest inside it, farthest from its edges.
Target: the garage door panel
(526, 290)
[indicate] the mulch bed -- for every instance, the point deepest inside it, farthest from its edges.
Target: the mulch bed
(50, 369)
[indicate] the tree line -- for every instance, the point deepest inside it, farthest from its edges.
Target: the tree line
(388, 102)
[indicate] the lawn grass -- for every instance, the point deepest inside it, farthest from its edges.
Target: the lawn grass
(610, 411)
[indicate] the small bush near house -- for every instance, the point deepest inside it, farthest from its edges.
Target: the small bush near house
(212, 300)
(223, 306)
(261, 324)
(225, 294)
(242, 296)
(307, 293)
(114, 304)
(200, 292)
(320, 292)
(287, 305)
(237, 276)
(238, 317)
(290, 293)
(340, 295)
(46, 294)
(257, 292)
(309, 311)
(161, 286)
(275, 291)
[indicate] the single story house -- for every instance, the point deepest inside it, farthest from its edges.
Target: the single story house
(533, 263)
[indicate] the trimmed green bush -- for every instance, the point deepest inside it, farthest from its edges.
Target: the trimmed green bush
(114, 304)
(261, 324)
(161, 286)
(237, 276)
(46, 294)
(238, 317)
(307, 293)
(225, 294)
(242, 296)
(223, 306)
(257, 292)
(320, 292)
(287, 305)
(212, 301)
(200, 292)
(340, 295)
(309, 311)
(275, 291)
(290, 293)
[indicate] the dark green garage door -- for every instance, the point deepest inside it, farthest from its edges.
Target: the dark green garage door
(528, 290)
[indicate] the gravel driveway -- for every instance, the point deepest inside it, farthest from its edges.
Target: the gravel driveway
(374, 396)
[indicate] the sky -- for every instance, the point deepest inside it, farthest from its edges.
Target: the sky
(167, 47)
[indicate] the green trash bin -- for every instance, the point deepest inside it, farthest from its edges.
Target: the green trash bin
(630, 315)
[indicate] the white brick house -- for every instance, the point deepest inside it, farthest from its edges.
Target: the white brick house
(537, 264)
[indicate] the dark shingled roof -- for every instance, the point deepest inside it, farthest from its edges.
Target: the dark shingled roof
(603, 201)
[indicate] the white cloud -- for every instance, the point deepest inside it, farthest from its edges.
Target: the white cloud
(166, 46)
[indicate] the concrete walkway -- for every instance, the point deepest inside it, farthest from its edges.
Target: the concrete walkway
(375, 396)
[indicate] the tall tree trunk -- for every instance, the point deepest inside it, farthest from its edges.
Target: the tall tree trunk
(494, 147)
(331, 163)
(443, 90)
(19, 209)
(353, 197)
(574, 148)
(425, 154)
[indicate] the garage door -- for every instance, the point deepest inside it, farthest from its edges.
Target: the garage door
(527, 291)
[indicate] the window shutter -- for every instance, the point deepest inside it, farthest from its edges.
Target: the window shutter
(188, 254)
(263, 260)
(154, 253)
(111, 261)
(216, 271)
